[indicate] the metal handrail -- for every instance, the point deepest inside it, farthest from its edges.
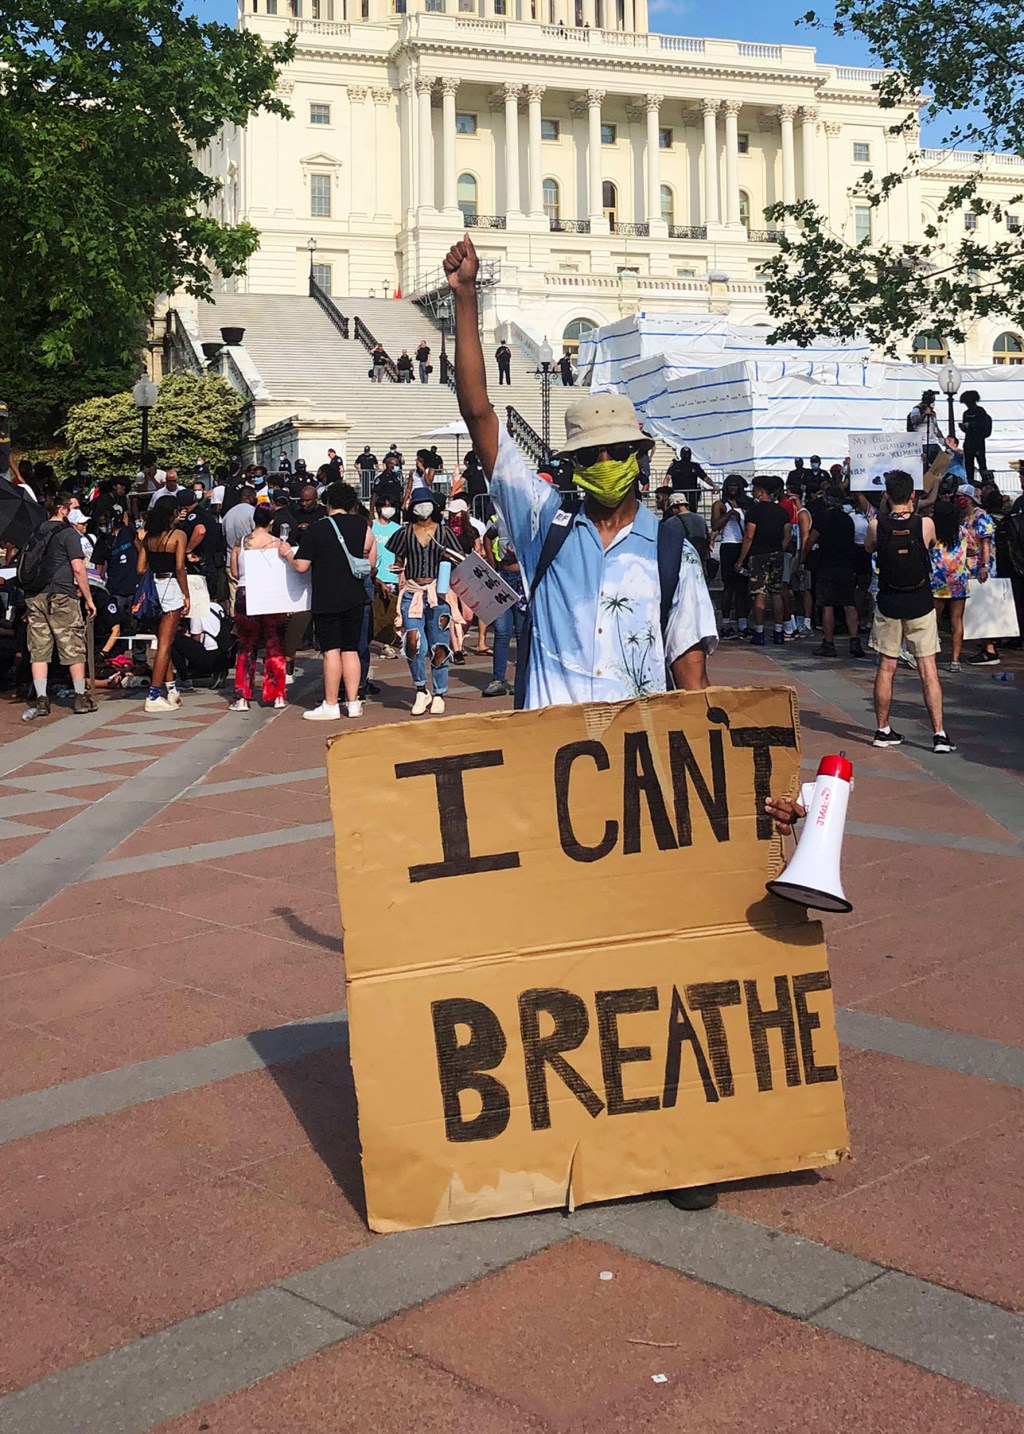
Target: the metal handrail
(490, 273)
(687, 231)
(369, 343)
(447, 372)
(329, 307)
(570, 226)
(765, 236)
(526, 435)
(484, 221)
(632, 231)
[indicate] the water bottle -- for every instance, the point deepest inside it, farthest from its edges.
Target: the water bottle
(285, 530)
(1003, 677)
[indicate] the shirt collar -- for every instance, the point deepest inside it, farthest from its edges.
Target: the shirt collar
(644, 525)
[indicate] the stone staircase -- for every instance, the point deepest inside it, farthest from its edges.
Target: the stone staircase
(303, 361)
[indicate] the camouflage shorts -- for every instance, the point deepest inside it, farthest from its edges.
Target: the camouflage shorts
(55, 618)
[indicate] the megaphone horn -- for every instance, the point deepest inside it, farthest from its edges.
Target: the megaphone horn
(813, 878)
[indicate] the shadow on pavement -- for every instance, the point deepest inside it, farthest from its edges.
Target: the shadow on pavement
(321, 1092)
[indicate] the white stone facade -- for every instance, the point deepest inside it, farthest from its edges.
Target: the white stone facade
(607, 169)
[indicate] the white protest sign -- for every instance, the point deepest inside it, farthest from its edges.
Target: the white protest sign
(199, 596)
(271, 585)
(480, 588)
(872, 455)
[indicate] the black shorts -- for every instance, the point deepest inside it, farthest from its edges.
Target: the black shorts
(836, 587)
(338, 630)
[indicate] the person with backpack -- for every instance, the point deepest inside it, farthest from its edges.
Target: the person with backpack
(904, 610)
(338, 552)
(120, 554)
(52, 574)
(976, 426)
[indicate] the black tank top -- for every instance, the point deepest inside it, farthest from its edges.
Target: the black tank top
(161, 562)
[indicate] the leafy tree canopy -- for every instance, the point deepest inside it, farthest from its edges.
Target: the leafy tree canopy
(957, 55)
(105, 108)
(196, 416)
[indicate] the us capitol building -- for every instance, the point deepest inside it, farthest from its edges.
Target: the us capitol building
(605, 169)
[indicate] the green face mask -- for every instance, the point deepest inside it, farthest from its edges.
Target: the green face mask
(609, 481)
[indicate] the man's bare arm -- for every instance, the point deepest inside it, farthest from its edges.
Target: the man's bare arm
(461, 266)
(689, 669)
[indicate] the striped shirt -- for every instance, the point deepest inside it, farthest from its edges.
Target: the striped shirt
(423, 561)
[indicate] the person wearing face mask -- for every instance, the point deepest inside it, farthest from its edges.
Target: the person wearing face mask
(608, 621)
(385, 580)
(427, 549)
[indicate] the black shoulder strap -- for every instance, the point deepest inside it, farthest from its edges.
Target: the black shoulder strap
(671, 537)
(561, 526)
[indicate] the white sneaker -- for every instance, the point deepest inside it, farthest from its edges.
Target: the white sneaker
(353, 709)
(437, 707)
(323, 713)
(158, 704)
(239, 705)
(289, 679)
(174, 698)
(421, 704)
(280, 702)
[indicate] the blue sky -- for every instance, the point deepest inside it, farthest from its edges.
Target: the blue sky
(732, 20)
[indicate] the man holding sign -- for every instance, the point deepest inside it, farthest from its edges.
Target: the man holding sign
(612, 606)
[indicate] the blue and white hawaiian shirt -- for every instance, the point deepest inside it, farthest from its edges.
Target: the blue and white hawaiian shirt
(597, 615)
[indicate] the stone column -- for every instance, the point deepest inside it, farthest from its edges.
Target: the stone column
(640, 16)
(808, 131)
(535, 196)
(590, 13)
(786, 113)
(512, 197)
(427, 196)
(383, 190)
(732, 163)
(358, 143)
(709, 108)
(449, 181)
(598, 223)
(653, 106)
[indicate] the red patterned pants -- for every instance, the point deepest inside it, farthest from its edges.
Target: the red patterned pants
(268, 630)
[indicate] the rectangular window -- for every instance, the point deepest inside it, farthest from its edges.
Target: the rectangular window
(629, 269)
(499, 7)
(467, 7)
(435, 7)
(568, 268)
(364, 9)
(319, 114)
(322, 277)
(862, 223)
(970, 219)
(861, 152)
(320, 196)
(465, 124)
(609, 133)
(271, 7)
(550, 129)
(686, 273)
(664, 139)
(743, 143)
(1013, 223)
(295, 8)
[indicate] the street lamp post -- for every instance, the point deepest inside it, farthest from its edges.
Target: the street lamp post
(949, 383)
(144, 396)
(544, 373)
(311, 246)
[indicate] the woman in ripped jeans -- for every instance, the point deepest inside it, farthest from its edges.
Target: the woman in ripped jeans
(427, 550)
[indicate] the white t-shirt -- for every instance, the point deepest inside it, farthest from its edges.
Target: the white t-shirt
(208, 627)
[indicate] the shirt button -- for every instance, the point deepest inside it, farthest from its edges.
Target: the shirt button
(597, 673)
(600, 630)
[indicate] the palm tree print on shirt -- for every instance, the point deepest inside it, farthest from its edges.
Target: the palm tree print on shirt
(635, 647)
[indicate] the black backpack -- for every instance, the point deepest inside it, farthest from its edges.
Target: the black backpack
(35, 568)
(903, 561)
(1010, 545)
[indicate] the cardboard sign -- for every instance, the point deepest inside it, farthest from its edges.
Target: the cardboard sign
(482, 589)
(566, 981)
(272, 586)
(199, 596)
(872, 455)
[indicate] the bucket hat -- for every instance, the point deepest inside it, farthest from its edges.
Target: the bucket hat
(602, 419)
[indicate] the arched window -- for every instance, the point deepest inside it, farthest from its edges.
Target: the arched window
(552, 200)
(573, 333)
(744, 209)
(610, 201)
(1008, 348)
(668, 205)
(929, 348)
(466, 195)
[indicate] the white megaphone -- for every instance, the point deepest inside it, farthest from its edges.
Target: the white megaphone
(812, 878)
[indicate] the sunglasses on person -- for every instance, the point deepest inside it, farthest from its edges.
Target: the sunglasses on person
(618, 452)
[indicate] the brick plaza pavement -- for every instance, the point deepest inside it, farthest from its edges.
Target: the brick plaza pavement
(182, 1241)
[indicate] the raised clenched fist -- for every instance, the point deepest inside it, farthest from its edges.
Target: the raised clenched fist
(461, 264)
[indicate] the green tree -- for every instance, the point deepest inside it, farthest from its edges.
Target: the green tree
(106, 107)
(958, 55)
(196, 416)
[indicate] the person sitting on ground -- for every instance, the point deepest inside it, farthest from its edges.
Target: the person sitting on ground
(836, 542)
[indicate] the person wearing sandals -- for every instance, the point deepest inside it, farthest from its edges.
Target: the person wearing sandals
(427, 550)
(266, 628)
(339, 551)
(162, 554)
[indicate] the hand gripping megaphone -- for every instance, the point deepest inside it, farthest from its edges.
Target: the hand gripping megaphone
(812, 878)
